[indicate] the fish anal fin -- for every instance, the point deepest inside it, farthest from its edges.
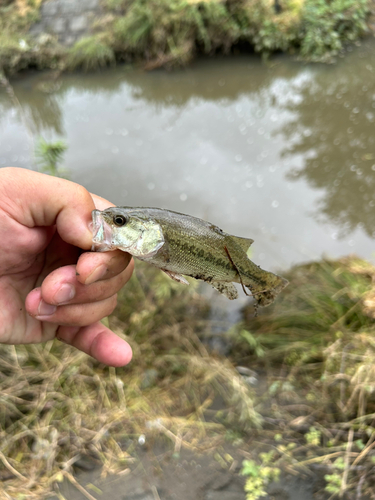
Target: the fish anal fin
(244, 243)
(227, 289)
(176, 277)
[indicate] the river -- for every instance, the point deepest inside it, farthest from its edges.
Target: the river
(281, 152)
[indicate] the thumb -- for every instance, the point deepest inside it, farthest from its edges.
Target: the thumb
(36, 199)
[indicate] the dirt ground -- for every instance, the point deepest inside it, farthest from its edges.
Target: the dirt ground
(160, 476)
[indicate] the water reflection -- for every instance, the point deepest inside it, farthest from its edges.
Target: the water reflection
(40, 111)
(333, 131)
(282, 153)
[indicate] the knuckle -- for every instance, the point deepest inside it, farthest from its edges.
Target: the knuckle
(112, 303)
(82, 193)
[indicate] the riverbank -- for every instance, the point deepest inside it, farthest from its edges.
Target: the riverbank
(294, 397)
(172, 32)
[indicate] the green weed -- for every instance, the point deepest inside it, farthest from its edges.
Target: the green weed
(259, 476)
(90, 53)
(326, 26)
(170, 32)
(48, 157)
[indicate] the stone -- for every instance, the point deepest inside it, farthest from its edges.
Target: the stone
(89, 4)
(224, 495)
(220, 481)
(79, 23)
(50, 8)
(69, 40)
(71, 7)
(57, 25)
(149, 378)
(36, 29)
(69, 20)
(140, 496)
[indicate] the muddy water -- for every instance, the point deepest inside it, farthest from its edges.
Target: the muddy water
(283, 153)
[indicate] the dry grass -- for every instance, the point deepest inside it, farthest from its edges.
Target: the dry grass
(320, 338)
(58, 405)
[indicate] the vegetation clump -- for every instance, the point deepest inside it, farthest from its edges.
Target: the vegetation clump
(320, 333)
(49, 155)
(90, 53)
(326, 26)
(172, 32)
(18, 50)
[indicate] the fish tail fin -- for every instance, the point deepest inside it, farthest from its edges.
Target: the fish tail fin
(265, 297)
(263, 285)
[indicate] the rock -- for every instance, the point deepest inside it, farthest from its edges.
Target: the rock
(144, 495)
(89, 4)
(220, 481)
(79, 23)
(70, 7)
(69, 20)
(49, 8)
(224, 495)
(58, 26)
(149, 378)
(87, 463)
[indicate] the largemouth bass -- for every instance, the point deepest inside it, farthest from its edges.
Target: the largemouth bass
(179, 245)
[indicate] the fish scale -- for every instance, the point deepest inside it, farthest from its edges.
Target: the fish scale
(180, 244)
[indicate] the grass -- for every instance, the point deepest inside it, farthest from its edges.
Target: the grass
(48, 155)
(325, 300)
(320, 334)
(90, 53)
(315, 346)
(172, 32)
(58, 405)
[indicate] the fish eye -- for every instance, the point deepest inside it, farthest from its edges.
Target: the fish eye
(119, 220)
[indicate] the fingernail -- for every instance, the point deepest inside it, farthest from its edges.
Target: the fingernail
(65, 293)
(45, 309)
(96, 275)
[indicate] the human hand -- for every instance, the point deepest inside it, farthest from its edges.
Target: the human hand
(48, 287)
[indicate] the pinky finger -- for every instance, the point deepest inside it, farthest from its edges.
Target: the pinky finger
(97, 341)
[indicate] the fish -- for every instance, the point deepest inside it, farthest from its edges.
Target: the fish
(182, 245)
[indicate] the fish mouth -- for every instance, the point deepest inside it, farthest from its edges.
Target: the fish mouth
(101, 233)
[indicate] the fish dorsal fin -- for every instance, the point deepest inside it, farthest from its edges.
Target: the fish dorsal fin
(244, 243)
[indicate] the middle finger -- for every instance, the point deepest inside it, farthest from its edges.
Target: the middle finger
(62, 286)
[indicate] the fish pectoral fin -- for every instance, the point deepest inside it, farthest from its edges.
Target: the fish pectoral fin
(227, 289)
(244, 243)
(176, 277)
